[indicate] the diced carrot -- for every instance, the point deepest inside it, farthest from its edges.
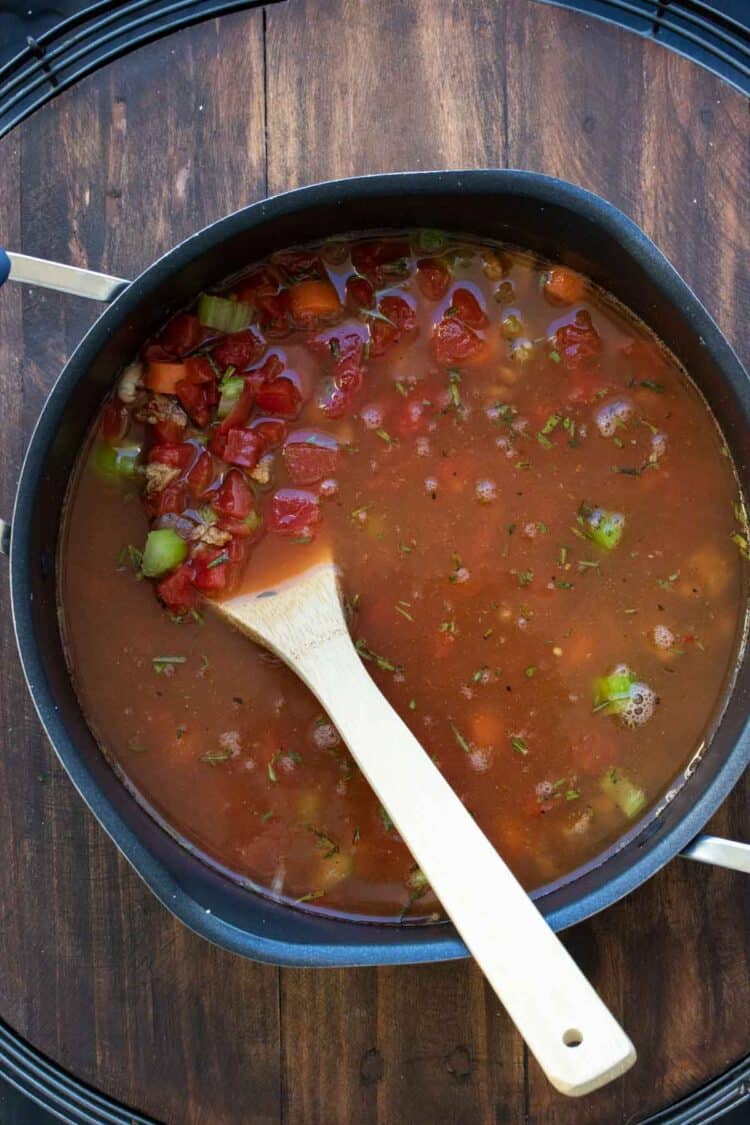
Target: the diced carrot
(486, 729)
(311, 299)
(564, 287)
(164, 377)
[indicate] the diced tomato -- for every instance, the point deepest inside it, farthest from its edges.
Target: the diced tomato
(184, 333)
(217, 443)
(210, 569)
(335, 402)
(309, 456)
(578, 342)
(378, 259)
(243, 447)
(401, 320)
(293, 511)
(453, 341)
(298, 265)
(468, 308)
(155, 353)
(171, 500)
(271, 430)
(202, 474)
(433, 278)
(280, 396)
(274, 314)
(177, 456)
(239, 350)
(235, 497)
(115, 421)
(168, 431)
(195, 399)
(240, 412)
(260, 283)
(177, 590)
(359, 293)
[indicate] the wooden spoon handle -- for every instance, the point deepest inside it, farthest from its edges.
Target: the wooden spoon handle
(576, 1040)
(574, 1037)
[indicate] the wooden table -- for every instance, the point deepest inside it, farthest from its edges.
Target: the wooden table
(92, 970)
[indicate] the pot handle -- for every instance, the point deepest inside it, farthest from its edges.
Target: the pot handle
(720, 853)
(66, 279)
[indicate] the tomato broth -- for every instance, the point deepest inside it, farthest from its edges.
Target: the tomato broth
(539, 536)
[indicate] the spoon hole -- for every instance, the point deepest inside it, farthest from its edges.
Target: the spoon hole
(572, 1037)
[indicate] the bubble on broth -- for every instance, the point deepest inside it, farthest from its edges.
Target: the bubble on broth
(612, 416)
(662, 636)
(639, 708)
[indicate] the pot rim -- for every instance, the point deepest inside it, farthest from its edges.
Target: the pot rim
(443, 945)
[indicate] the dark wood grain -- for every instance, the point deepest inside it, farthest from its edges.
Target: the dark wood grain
(113, 172)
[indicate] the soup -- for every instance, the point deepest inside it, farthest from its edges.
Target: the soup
(498, 457)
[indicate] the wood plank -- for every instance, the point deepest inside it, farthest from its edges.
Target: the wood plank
(92, 969)
(103, 979)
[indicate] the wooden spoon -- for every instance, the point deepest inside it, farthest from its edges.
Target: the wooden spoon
(576, 1040)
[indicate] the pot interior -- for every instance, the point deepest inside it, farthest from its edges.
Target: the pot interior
(555, 220)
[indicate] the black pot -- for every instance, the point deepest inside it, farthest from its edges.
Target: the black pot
(556, 219)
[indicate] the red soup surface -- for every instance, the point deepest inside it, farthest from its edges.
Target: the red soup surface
(539, 535)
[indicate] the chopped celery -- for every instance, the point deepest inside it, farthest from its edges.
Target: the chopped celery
(113, 462)
(602, 527)
(430, 240)
(164, 551)
(230, 389)
(223, 314)
(627, 796)
(612, 693)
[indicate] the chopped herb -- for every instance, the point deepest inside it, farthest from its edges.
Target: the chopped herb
(587, 564)
(451, 311)
(218, 561)
(132, 557)
(560, 585)
(511, 528)
(404, 613)
(525, 578)
(301, 539)
(541, 527)
(333, 344)
(519, 744)
(544, 441)
(627, 470)
(328, 846)
(523, 464)
(382, 662)
(449, 627)
(530, 671)
(356, 834)
(650, 385)
(310, 896)
(137, 747)
(361, 511)
(572, 794)
(162, 662)
(742, 543)
(214, 757)
(479, 674)
(555, 356)
(618, 442)
(504, 413)
(405, 549)
(668, 583)
(552, 423)
(460, 739)
(267, 816)
(454, 378)
(386, 437)
(386, 819)
(412, 704)
(563, 556)
(401, 388)
(487, 633)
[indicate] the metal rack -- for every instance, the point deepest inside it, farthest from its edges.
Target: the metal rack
(45, 62)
